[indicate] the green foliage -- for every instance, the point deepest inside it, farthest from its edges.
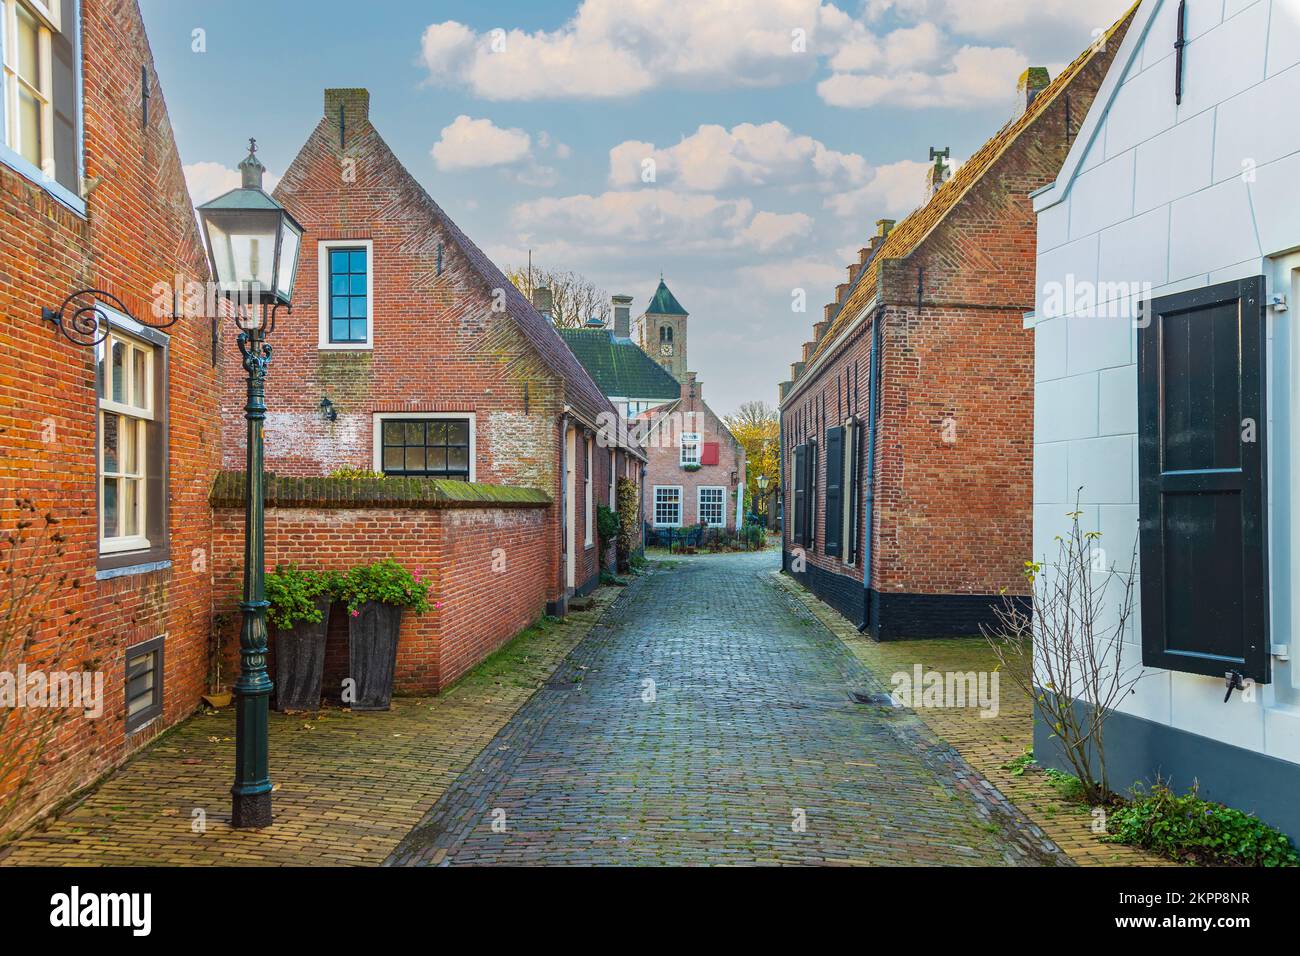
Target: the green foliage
(1191, 829)
(355, 473)
(1021, 764)
(608, 524)
(629, 510)
(691, 467)
(293, 591)
(385, 581)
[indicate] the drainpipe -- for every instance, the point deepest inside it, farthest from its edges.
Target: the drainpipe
(873, 389)
(563, 601)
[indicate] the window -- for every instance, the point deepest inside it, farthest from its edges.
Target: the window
(40, 106)
(668, 506)
(852, 489)
(428, 446)
(690, 454)
(346, 294)
(131, 444)
(665, 333)
(713, 507)
(613, 482)
(588, 485)
(144, 683)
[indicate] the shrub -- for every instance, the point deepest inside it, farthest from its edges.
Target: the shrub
(292, 592)
(608, 523)
(384, 581)
(629, 511)
(1191, 829)
(355, 473)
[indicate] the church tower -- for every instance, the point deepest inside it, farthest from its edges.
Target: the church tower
(663, 332)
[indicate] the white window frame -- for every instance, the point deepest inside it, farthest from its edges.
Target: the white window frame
(699, 505)
(43, 174)
(691, 442)
(323, 249)
(377, 438)
(588, 490)
(137, 418)
(654, 506)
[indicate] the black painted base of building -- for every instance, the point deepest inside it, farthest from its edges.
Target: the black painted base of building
(895, 616)
(1140, 751)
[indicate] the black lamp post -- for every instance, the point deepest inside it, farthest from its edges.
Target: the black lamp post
(762, 496)
(253, 246)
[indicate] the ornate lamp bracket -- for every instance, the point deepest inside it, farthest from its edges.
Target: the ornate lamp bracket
(82, 319)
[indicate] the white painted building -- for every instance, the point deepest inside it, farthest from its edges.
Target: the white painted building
(1181, 420)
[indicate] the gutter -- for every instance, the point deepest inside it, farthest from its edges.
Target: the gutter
(873, 404)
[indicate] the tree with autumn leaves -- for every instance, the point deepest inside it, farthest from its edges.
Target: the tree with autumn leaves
(756, 427)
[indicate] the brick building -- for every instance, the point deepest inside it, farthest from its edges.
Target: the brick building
(695, 471)
(409, 353)
(116, 440)
(907, 425)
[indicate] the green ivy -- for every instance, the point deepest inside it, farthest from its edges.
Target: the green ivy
(384, 581)
(293, 591)
(1189, 828)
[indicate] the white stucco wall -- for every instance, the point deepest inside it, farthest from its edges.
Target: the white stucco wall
(1180, 197)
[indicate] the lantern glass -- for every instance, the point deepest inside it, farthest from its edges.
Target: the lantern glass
(243, 246)
(287, 267)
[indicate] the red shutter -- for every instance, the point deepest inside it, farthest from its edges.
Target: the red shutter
(709, 453)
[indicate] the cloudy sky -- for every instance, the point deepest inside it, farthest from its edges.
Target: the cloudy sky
(773, 133)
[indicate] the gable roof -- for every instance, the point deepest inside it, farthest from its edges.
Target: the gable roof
(664, 302)
(620, 368)
(908, 235)
(580, 391)
(1134, 40)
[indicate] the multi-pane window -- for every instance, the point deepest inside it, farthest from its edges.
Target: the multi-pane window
(713, 507)
(40, 81)
(668, 507)
(144, 683)
(432, 447)
(348, 288)
(126, 412)
(690, 454)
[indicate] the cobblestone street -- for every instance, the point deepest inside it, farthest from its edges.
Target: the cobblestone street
(710, 718)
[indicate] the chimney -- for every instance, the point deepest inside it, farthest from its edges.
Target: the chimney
(832, 309)
(841, 291)
(796, 369)
(1032, 82)
(819, 329)
(622, 316)
(347, 109)
(940, 172)
(885, 226)
(544, 302)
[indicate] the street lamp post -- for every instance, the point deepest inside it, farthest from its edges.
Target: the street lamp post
(762, 494)
(253, 245)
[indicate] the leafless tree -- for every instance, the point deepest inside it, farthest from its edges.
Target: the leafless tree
(1066, 647)
(577, 298)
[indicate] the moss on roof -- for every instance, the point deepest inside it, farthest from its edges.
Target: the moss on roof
(908, 235)
(620, 368)
(229, 490)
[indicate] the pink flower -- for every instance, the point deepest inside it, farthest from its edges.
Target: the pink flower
(437, 605)
(356, 613)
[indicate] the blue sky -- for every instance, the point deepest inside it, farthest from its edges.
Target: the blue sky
(778, 130)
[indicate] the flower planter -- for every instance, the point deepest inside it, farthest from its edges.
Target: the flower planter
(372, 653)
(300, 662)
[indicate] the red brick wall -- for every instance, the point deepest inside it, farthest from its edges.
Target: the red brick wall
(664, 453)
(140, 231)
(951, 516)
(482, 605)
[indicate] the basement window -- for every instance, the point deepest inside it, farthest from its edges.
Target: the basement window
(144, 683)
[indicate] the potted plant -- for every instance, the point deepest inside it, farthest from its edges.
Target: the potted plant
(299, 617)
(218, 695)
(376, 595)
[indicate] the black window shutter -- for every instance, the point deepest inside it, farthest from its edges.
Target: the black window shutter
(834, 498)
(800, 492)
(810, 502)
(1201, 419)
(853, 488)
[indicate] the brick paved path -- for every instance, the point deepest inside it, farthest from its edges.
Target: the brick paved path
(753, 726)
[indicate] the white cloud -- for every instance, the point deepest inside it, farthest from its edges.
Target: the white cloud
(979, 76)
(893, 192)
(714, 158)
(469, 143)
(618, 223)
(209, 180)
(909, 51)
(1005, 20)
